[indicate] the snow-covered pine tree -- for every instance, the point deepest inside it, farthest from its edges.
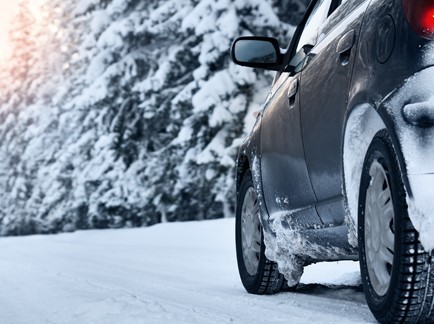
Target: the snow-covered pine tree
(144, 118)
(29, 78)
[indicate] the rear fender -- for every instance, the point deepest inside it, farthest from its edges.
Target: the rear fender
(413, 143)
(362, 124)
(411, 110)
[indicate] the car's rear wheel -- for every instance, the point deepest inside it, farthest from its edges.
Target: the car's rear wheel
(397, 274)
(258, 274)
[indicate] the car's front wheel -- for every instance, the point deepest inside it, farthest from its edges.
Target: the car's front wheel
(258, 274)
(397, 274)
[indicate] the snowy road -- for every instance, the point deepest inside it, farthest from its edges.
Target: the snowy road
(170, 273)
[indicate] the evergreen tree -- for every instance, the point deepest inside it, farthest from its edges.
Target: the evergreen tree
(136, 113)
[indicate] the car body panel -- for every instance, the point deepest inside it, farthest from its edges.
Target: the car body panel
(369, 86)
(325, 82)
(286, 182)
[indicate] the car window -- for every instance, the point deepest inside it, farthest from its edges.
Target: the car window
(317, 17)
(344, 9)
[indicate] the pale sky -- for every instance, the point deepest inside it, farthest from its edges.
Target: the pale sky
(7, 12)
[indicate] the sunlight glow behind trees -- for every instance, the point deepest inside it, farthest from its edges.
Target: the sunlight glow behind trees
(8, 10)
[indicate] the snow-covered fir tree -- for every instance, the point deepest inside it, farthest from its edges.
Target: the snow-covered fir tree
(130, 112)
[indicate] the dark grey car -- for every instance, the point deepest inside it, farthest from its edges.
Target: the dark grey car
(340, 162)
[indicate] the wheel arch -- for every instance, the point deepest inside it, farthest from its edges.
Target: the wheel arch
(243, 166)
(363, 122)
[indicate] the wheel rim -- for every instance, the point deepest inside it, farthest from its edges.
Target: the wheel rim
(379, 229)
(250, 232)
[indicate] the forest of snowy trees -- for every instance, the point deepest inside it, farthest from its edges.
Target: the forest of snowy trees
(124, 113)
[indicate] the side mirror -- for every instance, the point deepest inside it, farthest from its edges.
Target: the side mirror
(257, 52)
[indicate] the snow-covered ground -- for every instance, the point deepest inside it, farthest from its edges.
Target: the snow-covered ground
(169, 273)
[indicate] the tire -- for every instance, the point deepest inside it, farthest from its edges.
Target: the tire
(397, 274)
(258, 274)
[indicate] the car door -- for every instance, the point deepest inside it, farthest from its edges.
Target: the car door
(324, 86)
(285, 178)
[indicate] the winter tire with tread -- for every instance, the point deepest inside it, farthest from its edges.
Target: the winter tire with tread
(397, 273)
(258, 274)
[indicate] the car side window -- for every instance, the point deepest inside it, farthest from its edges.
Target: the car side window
(342, 11)
(317, 17)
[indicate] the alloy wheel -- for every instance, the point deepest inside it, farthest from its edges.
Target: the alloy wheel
(250, 232)
(379, 229)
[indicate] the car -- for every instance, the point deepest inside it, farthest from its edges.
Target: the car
(339, 164)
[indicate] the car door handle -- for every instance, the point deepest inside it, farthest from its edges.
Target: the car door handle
(345, 45)
(292, 92)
